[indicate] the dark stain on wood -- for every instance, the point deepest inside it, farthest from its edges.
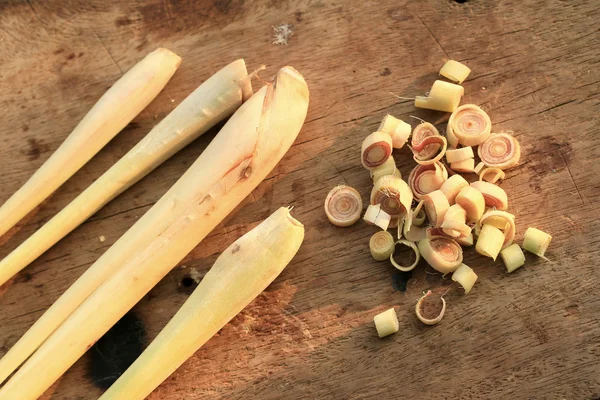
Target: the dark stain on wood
(123, 21)
(385, 72)
(35, 149)
(400, 280)
(25, 277)
(110, 356)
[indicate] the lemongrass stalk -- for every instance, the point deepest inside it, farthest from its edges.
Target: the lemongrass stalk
(465, 276)
(496, 216)
(441, 253)
(381, 245)
(424, 179)
(214, 100)
(411, 245)
(455, 71)
(248, 147)
(513, 257)
(240, 274)
(443, 96)
(376, 216)
(465, 241)
(536, 241)
(386, 323)
(343, 206)
(489, 242)
(491, 174)
(393, 194)
(436, 206)
(387, 168)
(500, 150)
(115, 109)
(421, 132)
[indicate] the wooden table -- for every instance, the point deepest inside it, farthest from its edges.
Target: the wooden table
(532, 334)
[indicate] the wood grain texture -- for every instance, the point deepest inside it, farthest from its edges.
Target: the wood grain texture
(531, 334)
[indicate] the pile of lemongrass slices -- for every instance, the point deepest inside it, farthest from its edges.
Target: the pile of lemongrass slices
(436, 212)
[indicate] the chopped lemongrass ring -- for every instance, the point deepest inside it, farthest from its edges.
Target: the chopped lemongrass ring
(442, 253)
(454, 222)
(343, 206)
(513, 257)
(420, 311)
(436, 205)
(376, 216)
(455, 71)
(465, 277)
(491, 174)
(376, 149)
(467, 165)
(387, 168)
(536, 241)
(419, 218)
(419, 159)
(386, 323)
(495, 215)
(381, 245)
(452, 186)
(493, 195)
(443, 96)
(497, 221)
(455, 155)
(472, 201)
(500, 150)
(490, 241)
(415, 233)
(421, 132)
(478, 168)
(393, 194)
(414, 248)
(398, 130)
(470, 124)
(465, 241)
(425, 179)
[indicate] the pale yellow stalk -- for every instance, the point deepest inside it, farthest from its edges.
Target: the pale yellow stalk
(115, 109)
(214, 100)
(240, 274)
(236, 161)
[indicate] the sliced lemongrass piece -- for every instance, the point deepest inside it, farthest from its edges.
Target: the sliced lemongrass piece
(419, 217)
(376, 216)
(442, 253)
(430, 233)
(472, 201)
(491, 174)
(452, 186)
(455, 155)
(452, 139)
(467, 165)
(465, 241)
(443, 96)
(393, 194)
(387, 168)
(455, 71)
(375, 149)
(500, 150)
(489, 242)
(423, 319)
(465, 277)
(414, 248)
(436, 205)
(536, 241)
(478, 168)
(497, 221)
(381, 245)
(421, 132)
(454, 222)
(493, 195)
(386, 323)
(415, 233)
(470, 124)
(513, 257)
(398, 130)
(424, 179)
(428, 142)
(495, 215)
(399, 227)
(393, 223)
(343, 206)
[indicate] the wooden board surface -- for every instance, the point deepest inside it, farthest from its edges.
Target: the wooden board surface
(531, 334)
